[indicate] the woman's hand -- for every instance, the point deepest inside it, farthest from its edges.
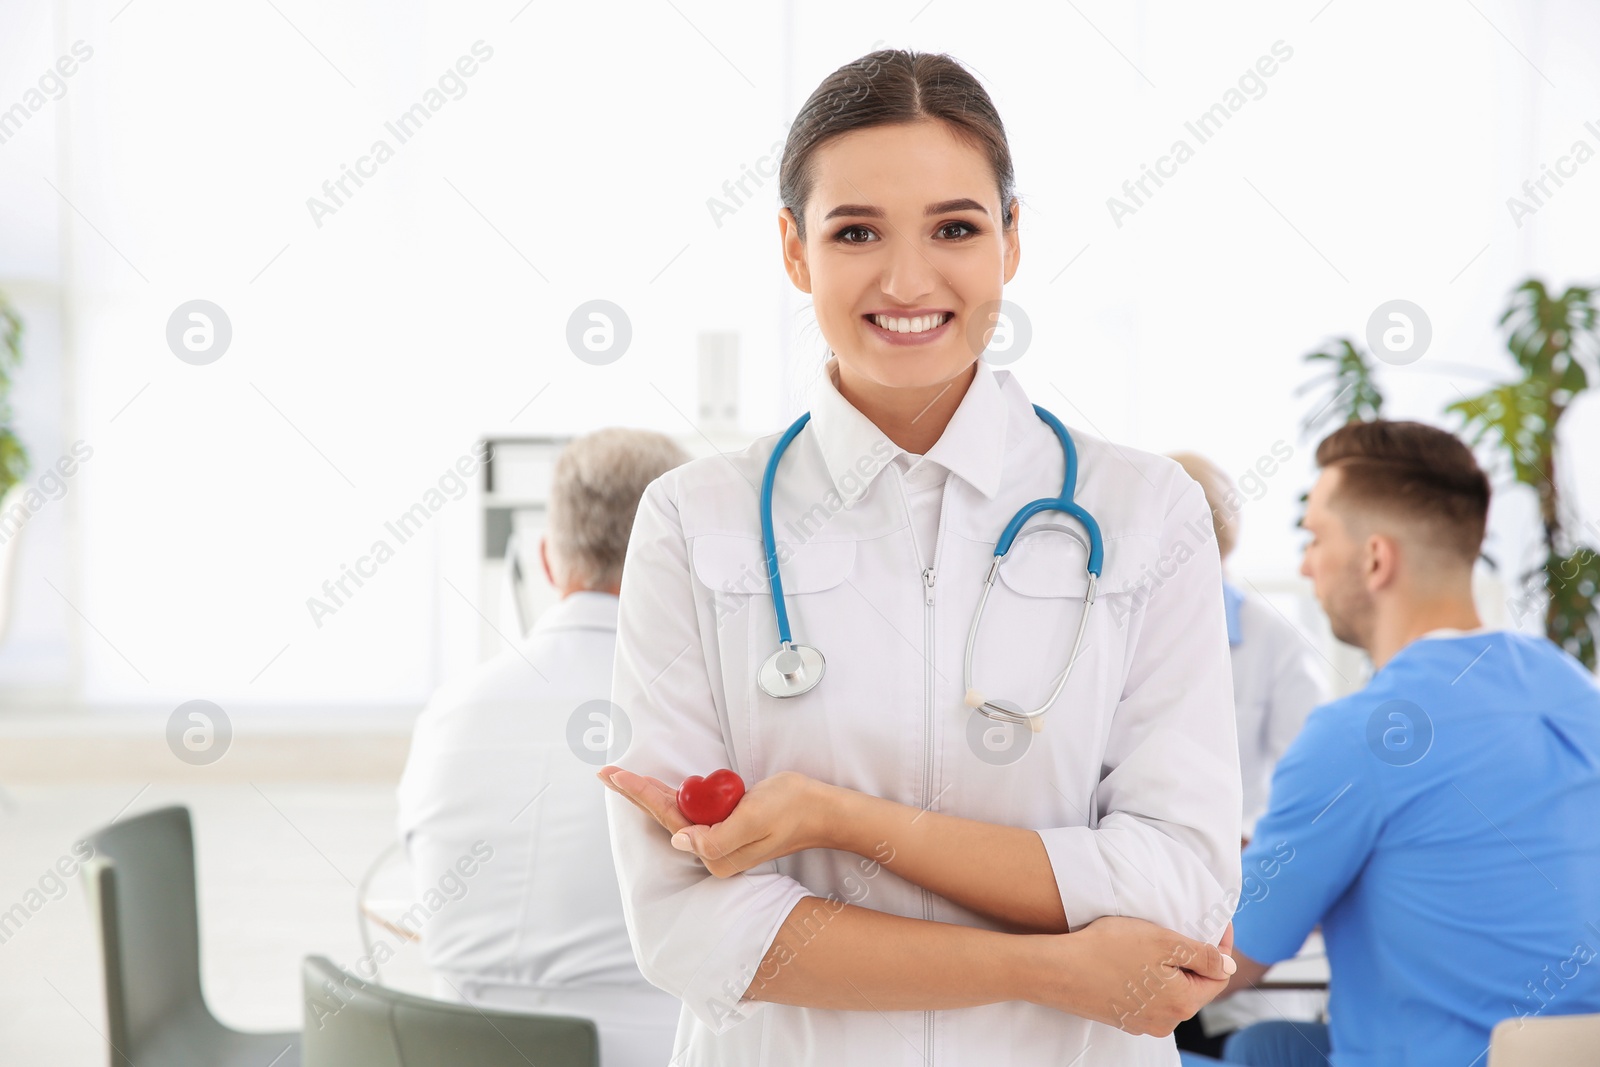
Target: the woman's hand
(1130, 974)
(777, 817)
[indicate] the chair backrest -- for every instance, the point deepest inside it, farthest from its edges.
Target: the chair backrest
(349, 1023)
(1546, 1041)
(141, 889)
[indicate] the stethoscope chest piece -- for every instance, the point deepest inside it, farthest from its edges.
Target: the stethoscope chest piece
(790, 671)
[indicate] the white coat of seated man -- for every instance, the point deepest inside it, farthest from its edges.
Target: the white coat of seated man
(1276, 683)
(500, 782)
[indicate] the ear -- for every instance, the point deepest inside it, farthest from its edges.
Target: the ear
(1383, 562)
(794, 251)
(544, 561)
(1013, 254)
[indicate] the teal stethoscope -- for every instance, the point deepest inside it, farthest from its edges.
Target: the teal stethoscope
(796, 669)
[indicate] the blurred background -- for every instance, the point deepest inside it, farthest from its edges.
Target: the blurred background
(233, 378)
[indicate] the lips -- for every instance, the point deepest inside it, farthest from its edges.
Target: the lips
(909, 321)
(910, 337)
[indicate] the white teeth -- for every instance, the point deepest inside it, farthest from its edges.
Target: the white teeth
(920, 324)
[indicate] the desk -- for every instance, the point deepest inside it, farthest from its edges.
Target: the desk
(1306, 969)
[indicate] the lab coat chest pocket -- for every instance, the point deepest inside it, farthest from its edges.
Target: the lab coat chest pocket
(1031, 623)
(772, 734)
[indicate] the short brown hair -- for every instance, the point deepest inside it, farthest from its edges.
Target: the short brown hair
(1412, 471)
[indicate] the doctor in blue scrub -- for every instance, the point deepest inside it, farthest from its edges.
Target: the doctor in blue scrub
(1438, 824)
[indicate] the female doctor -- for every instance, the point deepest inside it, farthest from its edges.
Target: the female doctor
(921, 871)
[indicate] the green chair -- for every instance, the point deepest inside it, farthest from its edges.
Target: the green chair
(350, 1023)
(141, 889)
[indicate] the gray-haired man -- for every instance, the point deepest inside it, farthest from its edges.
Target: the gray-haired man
(506, 832)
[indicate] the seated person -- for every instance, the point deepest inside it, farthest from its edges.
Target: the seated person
(499, 772)
(1439, 823)
(1277, 679)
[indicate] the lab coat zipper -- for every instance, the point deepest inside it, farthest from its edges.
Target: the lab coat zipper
(927, 756)
(928, 576)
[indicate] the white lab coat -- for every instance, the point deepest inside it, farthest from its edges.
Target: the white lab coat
(494, 768)
(1133, 785)
(1277, 680)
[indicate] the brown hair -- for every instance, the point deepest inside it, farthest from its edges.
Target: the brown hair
(885, 88)
(1412, 471)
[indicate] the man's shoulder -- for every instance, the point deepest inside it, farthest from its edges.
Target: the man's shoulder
(1491, 672)
(1264, 625)
(1493, 680)
(515, 689)
(1335, 740)
(1339, 715)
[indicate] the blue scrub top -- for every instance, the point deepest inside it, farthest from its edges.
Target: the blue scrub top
(1443, 825)
(1232, 601)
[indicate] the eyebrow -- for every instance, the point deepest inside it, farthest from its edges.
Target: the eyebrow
(943, 206)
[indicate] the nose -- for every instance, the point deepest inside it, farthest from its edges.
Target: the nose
(908, 276)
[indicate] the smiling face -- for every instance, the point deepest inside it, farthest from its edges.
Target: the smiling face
(904, 254)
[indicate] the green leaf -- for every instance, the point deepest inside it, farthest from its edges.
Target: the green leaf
(1351, 393)
(1572, 582)
(1515, 418)
(1553, 337)
(13, 457)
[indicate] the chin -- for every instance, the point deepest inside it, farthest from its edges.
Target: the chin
(1344, 628)
(1345, 635)
(911, 368)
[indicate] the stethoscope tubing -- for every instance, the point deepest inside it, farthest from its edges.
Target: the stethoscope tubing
(774, 579)
(792, 682)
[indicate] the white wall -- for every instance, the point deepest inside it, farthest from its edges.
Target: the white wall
(370, 352)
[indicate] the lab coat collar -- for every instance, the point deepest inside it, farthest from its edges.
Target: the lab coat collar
(972, 446)
(579, 611)
(1232, 600)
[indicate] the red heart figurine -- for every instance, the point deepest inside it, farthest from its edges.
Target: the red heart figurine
(709, 800)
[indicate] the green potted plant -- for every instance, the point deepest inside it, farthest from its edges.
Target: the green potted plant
(13, 457)
(1555, 341)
